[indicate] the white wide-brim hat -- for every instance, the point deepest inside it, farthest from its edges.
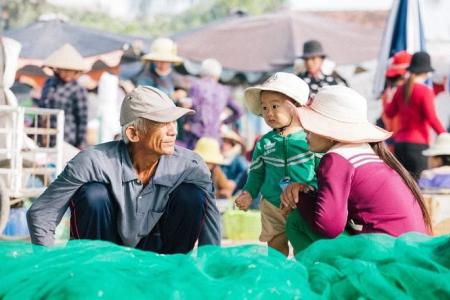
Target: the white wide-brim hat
(285, 83)
(163, 49)
(67, 58)
(440, 147)
(340, 113)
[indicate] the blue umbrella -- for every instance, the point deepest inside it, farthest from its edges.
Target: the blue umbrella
(403, 31)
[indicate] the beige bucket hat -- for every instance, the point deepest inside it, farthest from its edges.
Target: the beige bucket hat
(163, 49)
(68, 58)
(340, 113)
(209, 150)
(440, 147)
(285, 83)
(152, 104)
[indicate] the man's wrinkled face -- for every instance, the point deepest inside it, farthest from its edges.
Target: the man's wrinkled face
(160, 137)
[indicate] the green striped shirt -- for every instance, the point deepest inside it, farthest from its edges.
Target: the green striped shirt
(275, 157)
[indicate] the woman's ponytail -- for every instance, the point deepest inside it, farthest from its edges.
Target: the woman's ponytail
(380, 149)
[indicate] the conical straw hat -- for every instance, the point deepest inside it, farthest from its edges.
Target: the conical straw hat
(66, 57)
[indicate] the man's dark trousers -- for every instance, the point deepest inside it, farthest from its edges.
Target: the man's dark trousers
(94, 217)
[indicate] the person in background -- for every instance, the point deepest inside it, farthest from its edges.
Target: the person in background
(313, 56)
(209, 100)
(157, 72)
(413, 102)
(157, 67)
(209, 150)
(142, 192)
(235, 164)
(395, 76)
(110, 97)
(437, 176)
(281, 156)
(62, 91)
(362, 188)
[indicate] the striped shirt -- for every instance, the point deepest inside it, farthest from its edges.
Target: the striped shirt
(275, 157)
(358, 190)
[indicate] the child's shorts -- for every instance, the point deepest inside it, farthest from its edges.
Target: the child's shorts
(272, 220)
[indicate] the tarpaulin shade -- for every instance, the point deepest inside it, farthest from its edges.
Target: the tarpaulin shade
(273, 41)
(41, 38)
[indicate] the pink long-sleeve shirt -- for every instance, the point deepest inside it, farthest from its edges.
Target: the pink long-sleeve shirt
(358, 191)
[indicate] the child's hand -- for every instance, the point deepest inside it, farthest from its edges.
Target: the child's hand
(289, 197)
(244, 201)
(285, 210)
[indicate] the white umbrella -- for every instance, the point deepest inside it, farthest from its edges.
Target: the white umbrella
(403, 31)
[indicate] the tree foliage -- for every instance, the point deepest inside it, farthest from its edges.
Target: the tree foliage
(22, 12)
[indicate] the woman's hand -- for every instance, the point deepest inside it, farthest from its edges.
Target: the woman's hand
(289, 197)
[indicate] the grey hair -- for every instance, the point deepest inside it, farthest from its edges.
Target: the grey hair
(140, 124)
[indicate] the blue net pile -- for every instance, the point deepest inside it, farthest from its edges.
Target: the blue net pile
(358, 267)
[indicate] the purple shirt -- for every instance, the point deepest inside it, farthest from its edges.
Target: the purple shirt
(209, 99)
(436, 178)
(356, 188)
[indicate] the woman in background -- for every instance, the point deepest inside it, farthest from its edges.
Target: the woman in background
(413, 102)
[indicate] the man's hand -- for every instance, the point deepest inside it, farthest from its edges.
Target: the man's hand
(244, 201)
(289, 197)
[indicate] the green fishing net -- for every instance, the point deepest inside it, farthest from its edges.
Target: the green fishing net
(358, 267)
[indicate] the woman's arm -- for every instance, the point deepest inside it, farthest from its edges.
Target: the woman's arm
(327, 209)
(391, 108)
(429, 109)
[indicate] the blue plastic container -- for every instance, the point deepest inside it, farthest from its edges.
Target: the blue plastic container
(17, 222)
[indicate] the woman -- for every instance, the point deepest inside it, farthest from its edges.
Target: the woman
(362, 188)
(395, 77)
(438, 174)
(414, 104)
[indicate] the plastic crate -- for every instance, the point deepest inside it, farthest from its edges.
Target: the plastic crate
(438, 206)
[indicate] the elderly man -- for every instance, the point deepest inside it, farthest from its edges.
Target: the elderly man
(142, 191)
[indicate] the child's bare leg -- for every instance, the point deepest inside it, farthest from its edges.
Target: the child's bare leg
(280, 243)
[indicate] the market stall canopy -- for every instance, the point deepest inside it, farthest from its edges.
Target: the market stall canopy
(272, 42)
(39, 39)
